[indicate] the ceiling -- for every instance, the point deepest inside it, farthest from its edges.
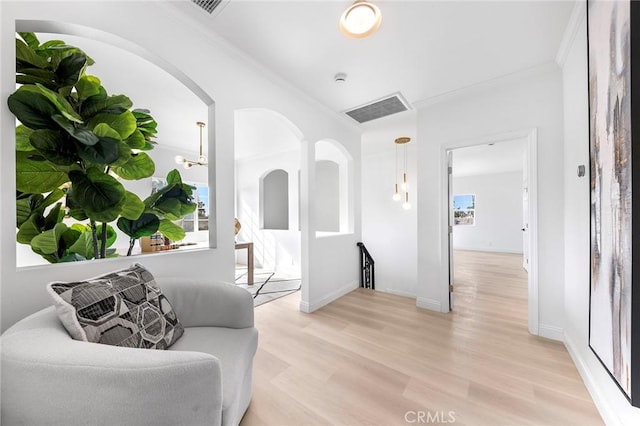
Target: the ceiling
(422, 49)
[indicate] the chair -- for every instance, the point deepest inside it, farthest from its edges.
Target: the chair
(203, 379)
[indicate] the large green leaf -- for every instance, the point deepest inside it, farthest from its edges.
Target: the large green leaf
(22, 138)
(105, 105)
(124, 123)
(26, 54)
(80, 133)
(173, 177)
(37, 176)
(171, 230)
(106, 151)
(28, 75)
(144, 226)
(31, 39)
(87, 86)
(26, 206)
(103, 130)
(29, 229)
(63, 106)
(54, 147)
(73, 257)
(139, 166)
(136, 140)
(54, 217)
(133, 206)
(47, 242)
(70, 69)
(74, 210)
(32, 108)
(98, 194)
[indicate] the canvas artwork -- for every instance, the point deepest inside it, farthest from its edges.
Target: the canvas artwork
(610, 165)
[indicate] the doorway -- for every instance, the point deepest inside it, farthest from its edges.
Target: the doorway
(491, 222)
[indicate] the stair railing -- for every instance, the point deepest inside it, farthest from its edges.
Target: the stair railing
(367, 268)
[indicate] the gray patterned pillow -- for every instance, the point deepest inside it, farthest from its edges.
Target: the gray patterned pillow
(122, 308)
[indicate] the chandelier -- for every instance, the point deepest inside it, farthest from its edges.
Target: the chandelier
(202, 160)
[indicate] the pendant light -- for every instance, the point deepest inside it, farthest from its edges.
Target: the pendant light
(404, 185)
(202, 159)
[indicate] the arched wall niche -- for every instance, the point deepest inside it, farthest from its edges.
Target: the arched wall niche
(274, 200)
(164, 153)
(328, 152)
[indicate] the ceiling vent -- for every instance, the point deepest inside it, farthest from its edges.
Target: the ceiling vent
(379, 108)
(208, 5)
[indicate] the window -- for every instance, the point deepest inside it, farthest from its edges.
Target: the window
(464, 209)
(192, 222)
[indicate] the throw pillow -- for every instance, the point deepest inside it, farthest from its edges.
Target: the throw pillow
(121, 308)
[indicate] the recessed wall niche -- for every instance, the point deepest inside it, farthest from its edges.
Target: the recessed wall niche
(149, 87)
(274, 200)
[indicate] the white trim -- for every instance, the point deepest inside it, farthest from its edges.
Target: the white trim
(335, 295)
(551, 332)
(599, 398)
(430, 304)
(531, 136)
(577, 15)
(499, 81)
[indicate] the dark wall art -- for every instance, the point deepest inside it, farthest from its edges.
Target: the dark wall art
(612, 322)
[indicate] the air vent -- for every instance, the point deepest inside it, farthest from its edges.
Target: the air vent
(208, 5)
(378, 109)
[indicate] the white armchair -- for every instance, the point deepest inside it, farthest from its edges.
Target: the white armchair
(203, 379)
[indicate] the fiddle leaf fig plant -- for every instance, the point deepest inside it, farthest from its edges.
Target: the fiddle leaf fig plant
(74, 145)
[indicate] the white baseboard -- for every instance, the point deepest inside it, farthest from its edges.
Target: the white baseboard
(334, 295)
(430, 304)
(602, 403)
(551, 332)
(396, 292)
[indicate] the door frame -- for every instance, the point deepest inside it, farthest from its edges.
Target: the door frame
(531, 137)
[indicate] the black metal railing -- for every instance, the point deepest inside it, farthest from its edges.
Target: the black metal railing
(367, 268)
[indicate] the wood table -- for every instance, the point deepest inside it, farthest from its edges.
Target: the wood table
(249, 247)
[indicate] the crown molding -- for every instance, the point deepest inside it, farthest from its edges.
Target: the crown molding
(491, 83)
(578, 15)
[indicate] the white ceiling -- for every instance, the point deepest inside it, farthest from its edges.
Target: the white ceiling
(422, 49)
(502, 157)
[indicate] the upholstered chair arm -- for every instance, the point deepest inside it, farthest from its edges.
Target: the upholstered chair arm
(201, 303)
(49, 378)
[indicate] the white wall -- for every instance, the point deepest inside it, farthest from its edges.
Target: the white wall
(327, 196)
(532, 99)
(613, 406)
(159, 32)
(498, 219)
(388, 231)
(272, 248)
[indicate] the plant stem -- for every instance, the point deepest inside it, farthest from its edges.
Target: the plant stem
(131, 243)
(94, 237)
(103, 247)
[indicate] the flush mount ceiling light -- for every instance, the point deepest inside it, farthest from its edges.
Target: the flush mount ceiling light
(202, 160)
(360, 20)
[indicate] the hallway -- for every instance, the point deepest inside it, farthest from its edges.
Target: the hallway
(374, 358)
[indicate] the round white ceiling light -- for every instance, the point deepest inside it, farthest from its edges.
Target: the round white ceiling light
(340, 78)
(360, 20)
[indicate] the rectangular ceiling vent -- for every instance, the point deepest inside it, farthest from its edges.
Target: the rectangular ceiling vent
(208, 5)
(378, 109)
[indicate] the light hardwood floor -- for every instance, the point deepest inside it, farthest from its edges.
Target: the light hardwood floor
(371, 358)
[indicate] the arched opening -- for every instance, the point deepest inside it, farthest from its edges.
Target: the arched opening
(267, 195)
(274, 200)
(147, 76)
